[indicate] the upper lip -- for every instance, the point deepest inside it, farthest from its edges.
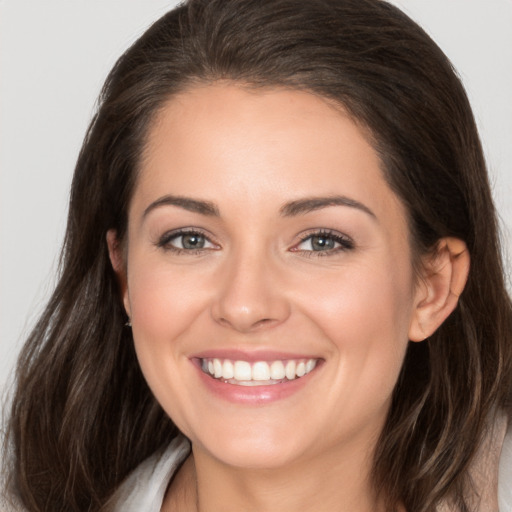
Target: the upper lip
(252, 355)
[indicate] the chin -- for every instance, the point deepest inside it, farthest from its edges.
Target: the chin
(252, 447)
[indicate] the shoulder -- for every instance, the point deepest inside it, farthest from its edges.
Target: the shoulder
(145, 487)
(491, 470)
(505, 472)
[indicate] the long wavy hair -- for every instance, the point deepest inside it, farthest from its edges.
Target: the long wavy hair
(83, 416)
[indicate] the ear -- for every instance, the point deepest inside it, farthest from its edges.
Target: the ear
(445, 273)
(117, 259)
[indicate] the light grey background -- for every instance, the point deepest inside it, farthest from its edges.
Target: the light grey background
(54, 56)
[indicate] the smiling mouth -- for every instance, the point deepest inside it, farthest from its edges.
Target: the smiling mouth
(259, 373)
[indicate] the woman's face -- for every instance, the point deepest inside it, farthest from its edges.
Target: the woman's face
(269, 278)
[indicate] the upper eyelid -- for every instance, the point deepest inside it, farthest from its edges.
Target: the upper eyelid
(167, 236)
(324, 232)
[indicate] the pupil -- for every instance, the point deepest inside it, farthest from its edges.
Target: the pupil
(320, 243)
(193, 241)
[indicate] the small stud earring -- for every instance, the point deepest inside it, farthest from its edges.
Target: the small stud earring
(128, 323)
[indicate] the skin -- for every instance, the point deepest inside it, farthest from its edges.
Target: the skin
(258, 285)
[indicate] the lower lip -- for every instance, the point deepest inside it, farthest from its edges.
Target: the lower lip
(253, 395)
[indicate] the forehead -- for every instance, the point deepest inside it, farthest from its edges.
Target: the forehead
(230, 144)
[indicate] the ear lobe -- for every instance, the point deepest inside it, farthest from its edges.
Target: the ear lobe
(445, 275)
(115, 253)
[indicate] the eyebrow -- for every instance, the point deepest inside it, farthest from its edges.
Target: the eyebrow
(291, 209)
(192, 205)
(311, 204)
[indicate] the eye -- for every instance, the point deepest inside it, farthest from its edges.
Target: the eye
(326, 242)
(185, 241)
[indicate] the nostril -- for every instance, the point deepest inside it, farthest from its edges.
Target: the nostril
(247, 326)
(223, 321)
(263, 321)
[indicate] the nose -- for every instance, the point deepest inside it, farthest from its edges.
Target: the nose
(250, 295)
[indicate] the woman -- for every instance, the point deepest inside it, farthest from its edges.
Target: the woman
(281, 284)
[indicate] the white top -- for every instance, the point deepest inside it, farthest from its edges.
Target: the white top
(145, 487)
(505, 474)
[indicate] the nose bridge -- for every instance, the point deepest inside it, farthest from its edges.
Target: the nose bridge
(250, 296)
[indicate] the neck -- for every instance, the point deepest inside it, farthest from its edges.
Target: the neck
(335, 482)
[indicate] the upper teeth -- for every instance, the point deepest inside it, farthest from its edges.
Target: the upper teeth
(259, 371)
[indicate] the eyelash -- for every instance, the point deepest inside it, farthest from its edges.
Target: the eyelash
(165, 241)
(345, 243)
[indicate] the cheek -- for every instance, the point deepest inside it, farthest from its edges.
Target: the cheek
(366, 314)
(162, 300)
(164, 305)
(361, 300)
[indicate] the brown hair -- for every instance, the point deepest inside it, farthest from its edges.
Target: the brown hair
(83, 416)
